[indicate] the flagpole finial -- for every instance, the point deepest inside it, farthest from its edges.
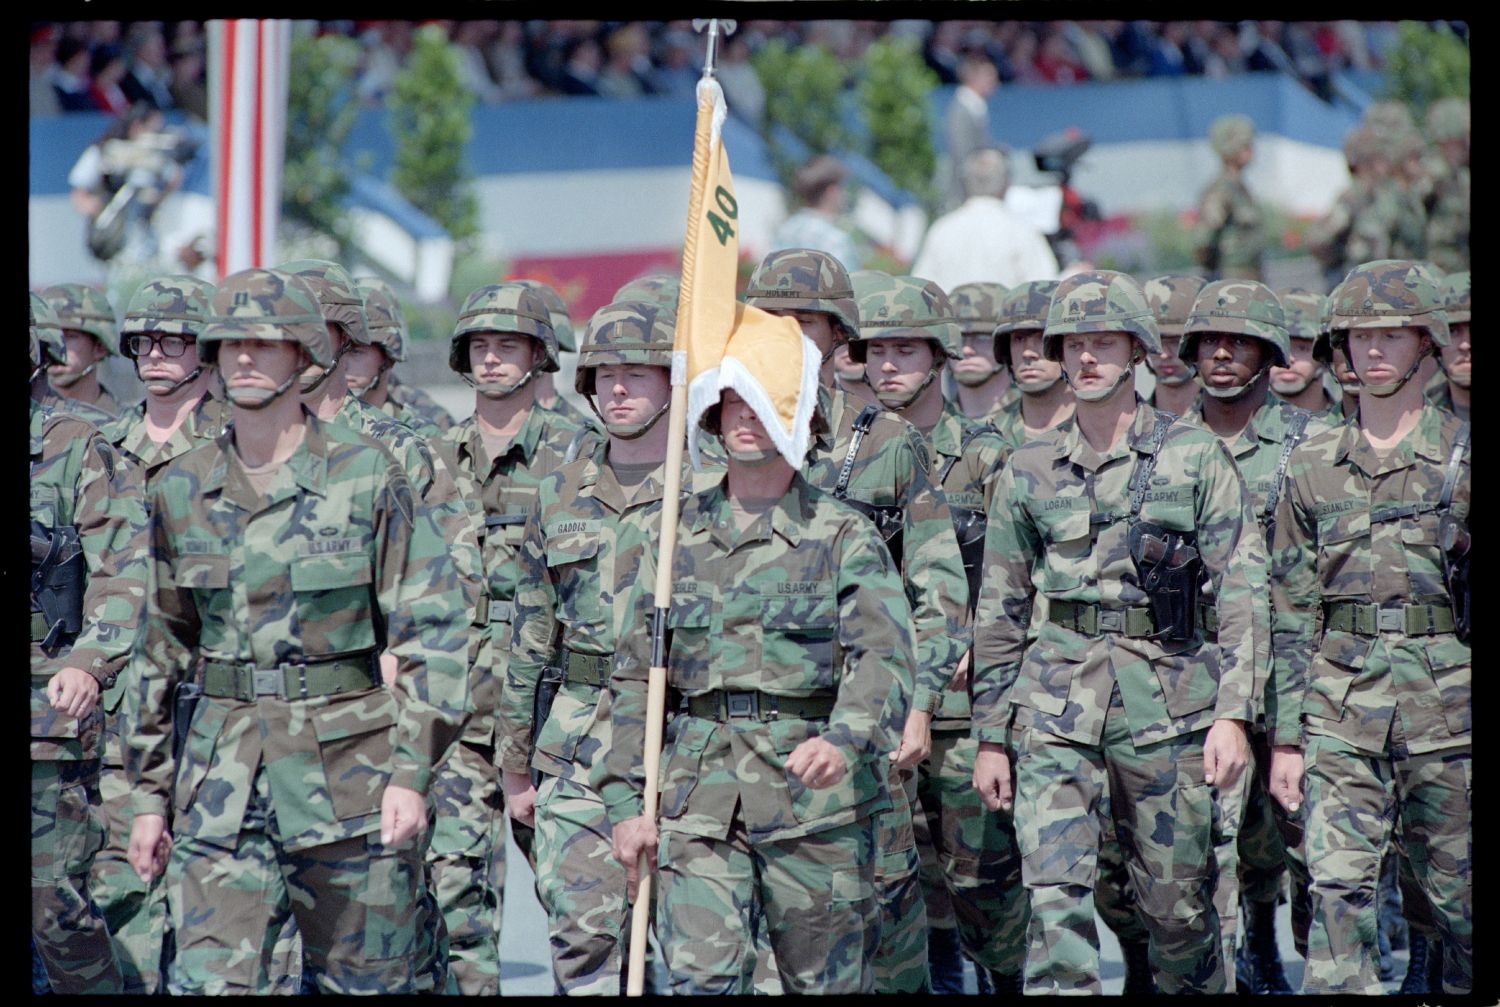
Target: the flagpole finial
(715, 26)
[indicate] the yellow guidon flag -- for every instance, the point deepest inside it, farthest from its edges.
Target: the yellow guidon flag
(721, 343)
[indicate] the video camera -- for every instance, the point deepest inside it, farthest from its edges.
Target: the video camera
(138, 172)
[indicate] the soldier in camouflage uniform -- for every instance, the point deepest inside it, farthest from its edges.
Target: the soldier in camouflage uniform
(424, 405)
(1412, 187)
(1305, 381)
(1369, 706)
(1171, 297)
(88, 323)
(294, 578)
(1119, 702)
(1235, 333)
(160, 333)
(1453, 394)
(369, 365)
(579, 563)
(877, 461)
(87, 588)
(1358, 227)
(981, 382)
(1044, 401)
(1230, 238)
(562, 327)
(790, 643)
(907, 336)
(503, 337)
(1448, 204)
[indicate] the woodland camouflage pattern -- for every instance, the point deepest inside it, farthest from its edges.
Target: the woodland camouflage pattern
(976, 306)
(907, 307)
(1099, 300)
(805, 602)
(1240, 308)
(503, 307)
(86, 309)
(557, 311)
(805, 279)
(337, 294)
(1171, 297)
(1388, 293)
(175, 305)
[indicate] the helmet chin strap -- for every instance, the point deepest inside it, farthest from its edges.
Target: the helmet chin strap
(309, 387)
(68, 379)
(259, 398)
(375, 381)
(1038, 387)
(1235, 392)
(971, 381)
(901, 403)
(175, 386)
(493, 391)
(1299, 389)
(756, 457)
(1189, 373)
(1102, 395)
(629, 431)
(1390, 388)
(1462, 382)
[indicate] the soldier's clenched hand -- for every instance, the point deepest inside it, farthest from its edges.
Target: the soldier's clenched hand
(817, 763)
(73, 691)
(992, 776)
(916, 740)
(150, 845)
(520, 797)
(1226, 753)
(403, 813)
(630, 839)
(1286, 776)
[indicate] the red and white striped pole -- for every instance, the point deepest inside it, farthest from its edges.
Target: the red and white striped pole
(247, 95)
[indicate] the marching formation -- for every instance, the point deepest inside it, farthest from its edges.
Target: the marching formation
(1010, 646)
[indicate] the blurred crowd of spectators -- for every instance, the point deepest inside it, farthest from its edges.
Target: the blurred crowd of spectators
(108, 65)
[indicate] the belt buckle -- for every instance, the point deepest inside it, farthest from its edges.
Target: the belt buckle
(267, 681)
(1390, 620)
(1109, 620)
(741, 704)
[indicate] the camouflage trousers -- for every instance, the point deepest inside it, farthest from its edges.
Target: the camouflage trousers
(1163, 818)
(466, 865)
(66, 833)
(1114, 894)
(582, 887)
(356, 903)
(977, 863)
(1271, 846)
(816, 894)
(1228, 813)
(901, 958)
(1354, 800)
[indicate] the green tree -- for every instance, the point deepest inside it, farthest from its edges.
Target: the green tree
(803, 88)
(1427, 63)
(429, 116)
(320, 113)
(894, 84)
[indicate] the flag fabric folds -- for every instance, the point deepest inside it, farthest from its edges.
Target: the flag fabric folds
(721, 343)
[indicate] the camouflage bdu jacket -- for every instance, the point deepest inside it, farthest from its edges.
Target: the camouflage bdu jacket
(1046, 539)
(1230, 238)
(891, 470)
(804, 603)
(579, 589)
(1355, 528)
(500, 492)
(331, 562)
(77, 479)
(966, 461)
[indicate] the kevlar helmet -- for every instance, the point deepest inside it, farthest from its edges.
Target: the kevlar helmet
(1304, 310)
(657, 288)
(503, 307)
(338, 298)
(908, 307)
(1238, 308)
(174, 305)
(805, 279)
(1171, 298)
(557, 308)
(1388, 117)
(85, 309)
(1099, 300)
(46, 334)
(1387, 294)
(1230, 134)
(265, 304)
(387, 325)
(976, 306)
(625, 332)
(1448, 119)
(1456, 297)
(1024, 307)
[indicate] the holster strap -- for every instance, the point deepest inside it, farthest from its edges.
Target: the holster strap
(1208, 620)
(39, 627)
(1093, 620)
(724, 706)
(247, 683)
(1372, 620)
(587, 669)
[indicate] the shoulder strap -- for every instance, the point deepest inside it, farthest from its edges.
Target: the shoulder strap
(1450, 480)
(1141, 477)
(970, 432)
(1295, 429)
(575, 444)
(862, 424)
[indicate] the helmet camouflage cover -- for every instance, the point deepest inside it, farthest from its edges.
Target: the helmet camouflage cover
(85, 309)
(562, 323)
(1238, 308)
(1231, 133)
(908, 307)
(383, 315)
(503, 307)
(175, 305)
(46, 333)
(977, 307)
(265, 304)
(1171, 298)
(1023, 308)
(658, 288)
(625, 332)
(1099, 300)
(1386, 294)
(1456, 296)
(805, 279)
(1304, 310)
(338, 298)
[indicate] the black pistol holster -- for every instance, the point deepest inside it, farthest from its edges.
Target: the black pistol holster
(970, 527)
(1453, 539)
(541, 709)
(184, 703)
(57, 582)
(1170, 572)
